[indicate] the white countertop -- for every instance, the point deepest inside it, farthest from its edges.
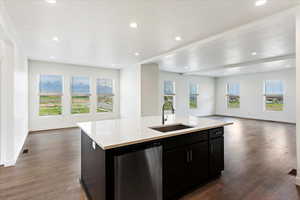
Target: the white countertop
(109, 134)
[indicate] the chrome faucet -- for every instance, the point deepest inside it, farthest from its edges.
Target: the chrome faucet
(163, 111)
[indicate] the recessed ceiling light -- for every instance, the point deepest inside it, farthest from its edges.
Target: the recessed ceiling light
(55, 39)
(136, 53)
(178, 38)
(260, 2)
(254, 53)
(52, 57)
(133, 25)
(51, 1)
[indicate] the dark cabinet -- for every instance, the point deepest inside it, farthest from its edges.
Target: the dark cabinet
(185, 167)
(198, 167)
(176, 170)
(93, 168)
(216, 158)
(190, 160)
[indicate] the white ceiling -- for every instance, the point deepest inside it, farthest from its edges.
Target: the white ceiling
(254, 47)
(97, 32)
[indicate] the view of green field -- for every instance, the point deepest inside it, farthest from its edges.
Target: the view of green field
(233, 102)
(171, 102)
(50, 105)
(193, 102)
(274, 103)
(80, 104)
(274, 106)
(105, 104)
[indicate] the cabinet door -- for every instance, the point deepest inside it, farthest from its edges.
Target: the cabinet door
(216, 155)
(198, 163)
(175, 172)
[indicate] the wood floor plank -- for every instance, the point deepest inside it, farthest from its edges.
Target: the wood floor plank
(258, 157)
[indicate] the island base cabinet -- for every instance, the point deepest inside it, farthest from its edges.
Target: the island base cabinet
(93, 169)
(175, 172)
(216, 158)
(163, 169)
(198, 168)
(185, 167)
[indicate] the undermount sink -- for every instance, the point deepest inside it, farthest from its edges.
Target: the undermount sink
(169, 128)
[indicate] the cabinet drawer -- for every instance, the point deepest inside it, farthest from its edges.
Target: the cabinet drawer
(217, 132)
(186, 139)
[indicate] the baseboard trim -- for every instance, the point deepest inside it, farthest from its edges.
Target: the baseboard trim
(248, 118)
(51, 129)
(10, 163)
(21, 149)
(206, 115)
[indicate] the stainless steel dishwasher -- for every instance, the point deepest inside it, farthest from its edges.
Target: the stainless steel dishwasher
(138, 174)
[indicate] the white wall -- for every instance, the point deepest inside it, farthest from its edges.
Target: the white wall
(206, 98)
(7, 105)
(13, 89)
(150, 89)
(130, 97)
(37, 68)
(298, 93)
(252, 99)
(21, 110)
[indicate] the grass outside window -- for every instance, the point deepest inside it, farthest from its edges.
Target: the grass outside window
(170, 100)
(233, 102)
(50, 105)
(274, 103)
(193, 101)
(80, 104)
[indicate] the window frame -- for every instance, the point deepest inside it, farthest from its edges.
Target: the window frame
(191, 94)
(89, 95)
(228, 96)
(265, 96)
(39, 94)
(173, 95)
(103, 95)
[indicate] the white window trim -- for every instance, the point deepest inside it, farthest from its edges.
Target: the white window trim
(39, 94)
(113, 95)
(170, 95)
(229, 95)
(265, 96)
(89, 94)
(196, 94)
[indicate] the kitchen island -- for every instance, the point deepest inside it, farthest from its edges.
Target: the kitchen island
(133, 159)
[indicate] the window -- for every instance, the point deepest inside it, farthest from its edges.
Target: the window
(273, 95)
(50, 88)
(169, 94)
(233, 95)
(105, 96)
(194, 92)
(80, 95)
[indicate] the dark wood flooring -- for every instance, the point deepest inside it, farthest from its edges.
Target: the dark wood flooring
(258, 158)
